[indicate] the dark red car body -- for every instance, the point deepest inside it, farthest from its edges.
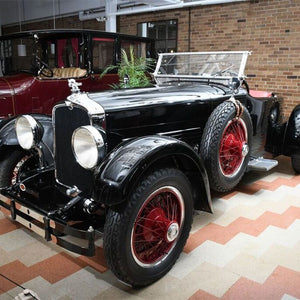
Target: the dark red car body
(28, 91)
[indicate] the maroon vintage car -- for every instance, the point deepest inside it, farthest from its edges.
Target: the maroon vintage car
(36, 65)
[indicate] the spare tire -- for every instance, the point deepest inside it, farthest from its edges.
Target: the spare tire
(225, 146)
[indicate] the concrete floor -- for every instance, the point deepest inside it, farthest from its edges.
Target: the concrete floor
(248, 249)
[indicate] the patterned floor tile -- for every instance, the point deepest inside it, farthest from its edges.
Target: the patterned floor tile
(15, 240)
(248, 249)
(289, 297)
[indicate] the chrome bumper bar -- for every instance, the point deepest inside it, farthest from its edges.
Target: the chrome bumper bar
(66, 236)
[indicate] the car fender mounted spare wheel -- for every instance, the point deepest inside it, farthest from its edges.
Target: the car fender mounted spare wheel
(13, 167)
(144, 237)
(225, 145)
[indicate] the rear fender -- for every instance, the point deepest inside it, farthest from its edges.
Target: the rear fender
(8, 136)
(292, 133)
(125, 166)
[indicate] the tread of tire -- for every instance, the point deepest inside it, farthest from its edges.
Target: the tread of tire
(6, 164)
(113, 220)
(209, 138)
(295, 159)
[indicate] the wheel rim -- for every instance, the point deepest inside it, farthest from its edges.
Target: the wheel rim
(15, 173)
(233, 147)
(157, 226)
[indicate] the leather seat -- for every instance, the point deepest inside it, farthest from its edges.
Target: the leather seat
(67, 73)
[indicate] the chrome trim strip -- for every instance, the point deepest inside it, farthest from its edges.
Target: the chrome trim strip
(178, 131)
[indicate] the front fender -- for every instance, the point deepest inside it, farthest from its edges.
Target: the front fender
(125, 166)
(8, 135)
(292, 133)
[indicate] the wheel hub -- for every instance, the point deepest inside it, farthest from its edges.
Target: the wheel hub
(157, 225)
(172, 232)
(245, 149)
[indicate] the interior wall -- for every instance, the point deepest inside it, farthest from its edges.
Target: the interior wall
(269, 28)
(14, 11)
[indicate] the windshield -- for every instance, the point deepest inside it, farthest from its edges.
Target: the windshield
(200, 65)
(24, 54)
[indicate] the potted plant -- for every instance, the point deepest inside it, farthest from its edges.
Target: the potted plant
(132, 70)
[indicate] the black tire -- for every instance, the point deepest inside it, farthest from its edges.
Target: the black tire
(226, 146)
(140, 224)
(295, 158)
(11, 165)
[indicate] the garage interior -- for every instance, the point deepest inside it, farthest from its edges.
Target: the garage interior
(250, 247)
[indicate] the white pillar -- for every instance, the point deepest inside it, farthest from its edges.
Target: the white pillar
(111, 22)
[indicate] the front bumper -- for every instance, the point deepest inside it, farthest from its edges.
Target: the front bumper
(65, 235)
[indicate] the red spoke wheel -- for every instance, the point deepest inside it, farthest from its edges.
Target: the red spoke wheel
(226, 146)
(144, 237)
(233, 147)
(157, 226)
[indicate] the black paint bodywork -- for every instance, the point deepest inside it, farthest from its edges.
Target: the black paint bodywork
(8, 137)
(292, 133)
(144, 129)
(130, 161)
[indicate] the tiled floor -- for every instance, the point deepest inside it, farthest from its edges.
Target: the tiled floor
(248, 249)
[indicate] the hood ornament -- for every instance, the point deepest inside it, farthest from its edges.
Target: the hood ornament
(82, 99)
(74, 86)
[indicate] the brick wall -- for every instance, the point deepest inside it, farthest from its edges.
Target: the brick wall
(269, 28)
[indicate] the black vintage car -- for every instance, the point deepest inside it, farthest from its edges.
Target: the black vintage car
(134, 164)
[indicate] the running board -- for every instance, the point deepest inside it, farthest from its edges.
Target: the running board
(261, 164)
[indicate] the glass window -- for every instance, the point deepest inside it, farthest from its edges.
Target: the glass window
(103, 53)
(67, 52)
(164, 33)
(139, 48)
(16, 55)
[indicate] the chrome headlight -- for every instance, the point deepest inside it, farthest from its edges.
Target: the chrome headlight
(29, 131)
(87, 146)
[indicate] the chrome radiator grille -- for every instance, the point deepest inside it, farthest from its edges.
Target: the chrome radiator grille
(68, 171)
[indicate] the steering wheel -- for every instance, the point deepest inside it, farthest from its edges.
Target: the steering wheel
(44, 68)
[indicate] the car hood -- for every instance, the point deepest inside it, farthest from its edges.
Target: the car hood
(122, 99)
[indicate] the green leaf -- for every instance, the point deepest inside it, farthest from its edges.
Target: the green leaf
(134, 67)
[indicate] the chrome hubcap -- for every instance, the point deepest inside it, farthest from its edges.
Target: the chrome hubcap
(245, 149)
(172, 232)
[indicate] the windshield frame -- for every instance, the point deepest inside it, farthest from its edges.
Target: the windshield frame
(160, 78)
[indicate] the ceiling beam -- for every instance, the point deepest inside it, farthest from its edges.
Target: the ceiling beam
(159, 2)
(181, 4)
(105, 14)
